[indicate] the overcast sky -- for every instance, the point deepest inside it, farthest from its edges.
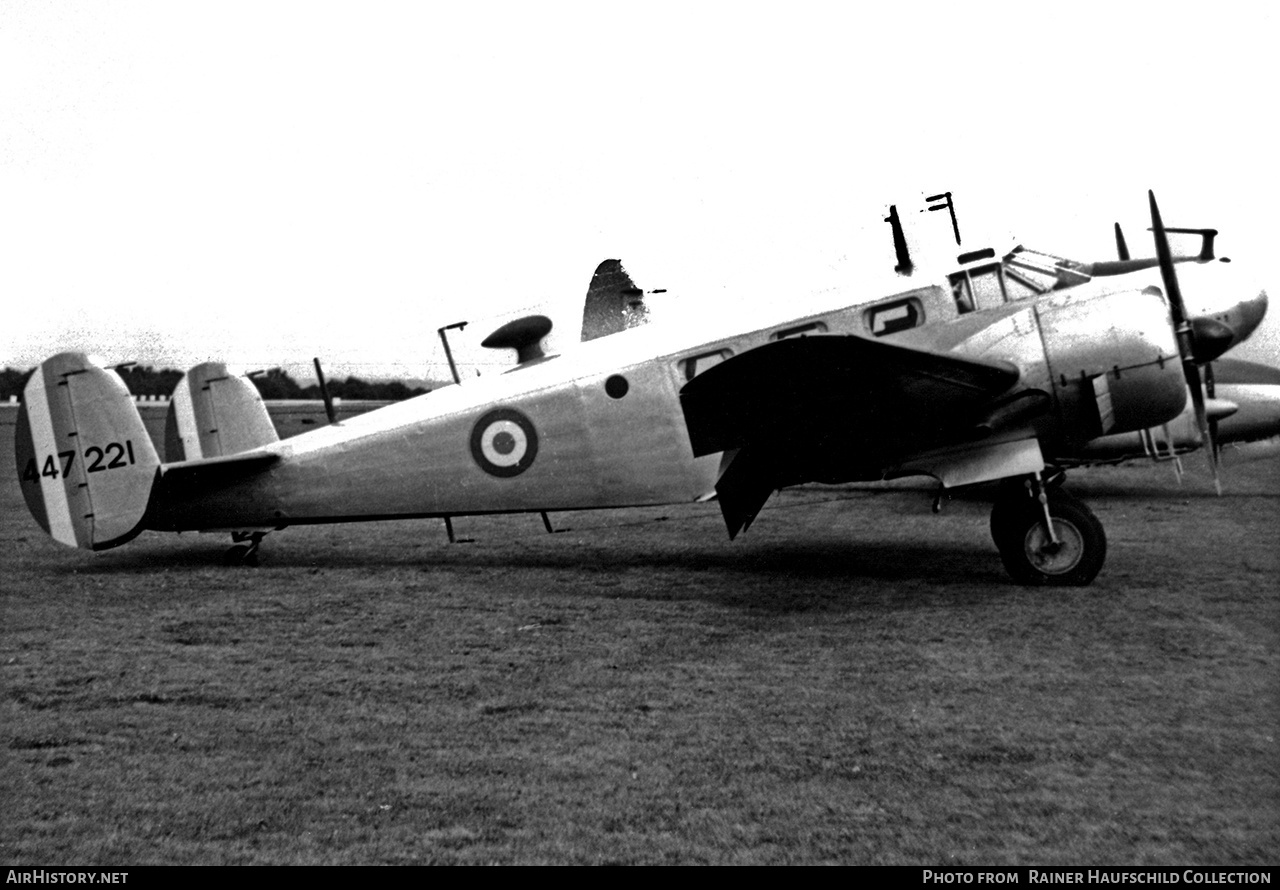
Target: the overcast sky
(240, 181)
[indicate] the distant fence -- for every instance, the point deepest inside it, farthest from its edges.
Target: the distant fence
(290, 417)
(13, 400)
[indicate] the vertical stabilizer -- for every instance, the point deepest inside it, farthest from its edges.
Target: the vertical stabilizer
(85, 462)
(613, 302)
(213, 414)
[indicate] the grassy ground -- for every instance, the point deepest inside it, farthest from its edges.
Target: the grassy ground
(854, 681)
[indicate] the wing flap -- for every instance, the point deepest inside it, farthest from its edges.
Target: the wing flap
(743, 488)
(812, 408)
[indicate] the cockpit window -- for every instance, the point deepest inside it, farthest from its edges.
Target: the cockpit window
(1042, 272)
(989, 285)
(979, 287)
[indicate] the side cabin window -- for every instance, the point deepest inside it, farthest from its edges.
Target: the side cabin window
(889, 318)
(692, 367)
(800, 330)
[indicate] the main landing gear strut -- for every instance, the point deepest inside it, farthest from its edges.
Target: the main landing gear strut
(1045, 535)
(244, 552)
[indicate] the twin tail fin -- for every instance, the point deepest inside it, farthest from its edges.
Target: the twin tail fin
(85, 462)
(87, 465)
(215, 414)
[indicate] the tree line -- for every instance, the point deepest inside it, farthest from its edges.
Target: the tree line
(273, 384)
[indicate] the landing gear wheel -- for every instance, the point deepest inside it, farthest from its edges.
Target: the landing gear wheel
(1010, 503)
(1015, 495)
(241, 553)
(237, 555)
(1028, 553)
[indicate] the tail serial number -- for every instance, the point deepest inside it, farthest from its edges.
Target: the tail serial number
(111, 456)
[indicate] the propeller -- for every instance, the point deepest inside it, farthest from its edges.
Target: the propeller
(1122, 249)
(1189, 338)
(1210, 389)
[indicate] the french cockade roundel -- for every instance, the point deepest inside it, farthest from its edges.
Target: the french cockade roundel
(504, 442)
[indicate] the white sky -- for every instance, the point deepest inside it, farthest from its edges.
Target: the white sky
(240, 180)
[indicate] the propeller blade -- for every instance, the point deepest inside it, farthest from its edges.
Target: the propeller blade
(1210, 388)
(1122, 249)
(1186, 336)
(1202, 423)
(1167, 272)
(1197, 401)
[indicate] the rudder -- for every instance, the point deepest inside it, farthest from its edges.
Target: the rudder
(85, 462)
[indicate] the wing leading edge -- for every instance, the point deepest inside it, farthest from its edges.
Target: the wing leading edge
(829, 408)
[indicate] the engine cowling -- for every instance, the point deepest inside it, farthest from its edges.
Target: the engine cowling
(1113, 361)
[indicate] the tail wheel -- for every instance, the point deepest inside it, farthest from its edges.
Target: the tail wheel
(1029, 554)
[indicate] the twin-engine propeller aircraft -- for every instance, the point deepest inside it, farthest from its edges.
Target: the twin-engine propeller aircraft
(934, 380)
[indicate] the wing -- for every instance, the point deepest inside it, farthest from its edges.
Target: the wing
(830, 408)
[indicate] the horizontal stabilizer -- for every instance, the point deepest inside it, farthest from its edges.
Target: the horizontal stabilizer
(191, 477)
(1206, 240)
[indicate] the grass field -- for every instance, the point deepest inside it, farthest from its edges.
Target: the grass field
(854, 681)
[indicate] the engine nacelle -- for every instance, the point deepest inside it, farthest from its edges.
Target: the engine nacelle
(1113, 361)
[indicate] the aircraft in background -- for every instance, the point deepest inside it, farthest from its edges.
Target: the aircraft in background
(1243, 408)
(938, 379)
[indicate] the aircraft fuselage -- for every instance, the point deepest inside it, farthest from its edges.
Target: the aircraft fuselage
(602, 425)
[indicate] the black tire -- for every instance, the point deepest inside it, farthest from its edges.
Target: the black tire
(235, 555)
(1014, 496)
(1012, 500)
(1017, 525)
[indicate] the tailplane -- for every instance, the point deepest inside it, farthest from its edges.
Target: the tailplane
(214, 414)
(85, 462)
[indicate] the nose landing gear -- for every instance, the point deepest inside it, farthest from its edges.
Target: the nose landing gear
(1045, 535)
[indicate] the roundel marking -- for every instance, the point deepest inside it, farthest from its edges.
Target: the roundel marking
(504, 442)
